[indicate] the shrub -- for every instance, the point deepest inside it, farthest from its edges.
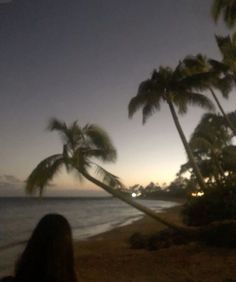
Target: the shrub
(217, 204)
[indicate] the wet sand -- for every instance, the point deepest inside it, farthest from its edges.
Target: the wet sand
(108, 257)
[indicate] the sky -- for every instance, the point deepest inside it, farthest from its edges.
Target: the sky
(83, 60)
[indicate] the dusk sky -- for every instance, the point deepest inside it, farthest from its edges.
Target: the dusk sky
(83, 60)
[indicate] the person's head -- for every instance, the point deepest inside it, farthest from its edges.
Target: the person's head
(48, 256)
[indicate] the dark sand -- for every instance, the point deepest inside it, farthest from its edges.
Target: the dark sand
(107, 257)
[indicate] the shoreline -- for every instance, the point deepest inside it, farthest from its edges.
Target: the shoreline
(135, 220)
(12, 249)
(108, 257)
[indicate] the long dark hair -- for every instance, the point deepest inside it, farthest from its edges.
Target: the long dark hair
(48, 256)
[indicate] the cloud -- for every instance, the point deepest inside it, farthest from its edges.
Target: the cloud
(10, 185)
(9, 179)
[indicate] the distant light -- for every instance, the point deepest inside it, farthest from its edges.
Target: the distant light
(197, 194)
(134, 195)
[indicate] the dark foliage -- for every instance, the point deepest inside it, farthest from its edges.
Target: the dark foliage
(160, 240)
(137, 241)
(217, 234)
(218, 203)
(220, 234)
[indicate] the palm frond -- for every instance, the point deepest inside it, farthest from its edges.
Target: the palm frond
(225, 85)
(43, 173)
(226, 9)
(101, 142)
(140, 99)
(100, 154)
(79, 160)
(148, 97)
(217, 7)
(200, 142)
(149, 109)
(218, 66)
(197, 81)
(197, 99)
(56, 124)
(227, 49)
(212, 128)
(109, 178)
(181, 104)
(196, 64)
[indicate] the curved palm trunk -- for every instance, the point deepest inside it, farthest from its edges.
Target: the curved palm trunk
(134, 204)
(187, 147)
(223, 112)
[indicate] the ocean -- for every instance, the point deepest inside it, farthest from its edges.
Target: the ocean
(87, 217)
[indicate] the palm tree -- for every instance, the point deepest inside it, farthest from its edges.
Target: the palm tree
(81, 146)
(207, 142)
(226, 9)
(221, 79)
(176, 89)
(213, 149)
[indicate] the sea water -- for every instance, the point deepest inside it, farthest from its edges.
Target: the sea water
(87, 217)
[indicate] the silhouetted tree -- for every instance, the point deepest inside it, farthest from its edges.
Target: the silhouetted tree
(219, 78)
(178, 90)
(81, 145)
(213, 150)
(207, 141)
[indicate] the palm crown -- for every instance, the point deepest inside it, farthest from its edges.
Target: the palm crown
(81, 145)
(218, 76)
(167, 85)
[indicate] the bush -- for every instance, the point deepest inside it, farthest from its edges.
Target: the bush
(217, 204)
(160, 240)
(137, 241)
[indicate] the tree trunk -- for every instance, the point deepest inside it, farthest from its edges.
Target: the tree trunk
(187, 148)
(223, 112)
(121, 196)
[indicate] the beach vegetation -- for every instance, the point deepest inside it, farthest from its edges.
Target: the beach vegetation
(209, 142)
(217, 204)
(214, 151)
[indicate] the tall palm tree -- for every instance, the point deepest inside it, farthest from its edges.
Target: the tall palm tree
(221, 79)
(178, 90)
(81, 146)
(226, 9)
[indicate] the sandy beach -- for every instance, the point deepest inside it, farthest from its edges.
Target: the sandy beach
(108, 257)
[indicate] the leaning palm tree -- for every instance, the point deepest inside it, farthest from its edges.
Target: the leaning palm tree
(221, 79)
(178, 90)
(226, 9)
(81, 146)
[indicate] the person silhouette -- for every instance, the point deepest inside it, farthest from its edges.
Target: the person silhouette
(48, 255)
